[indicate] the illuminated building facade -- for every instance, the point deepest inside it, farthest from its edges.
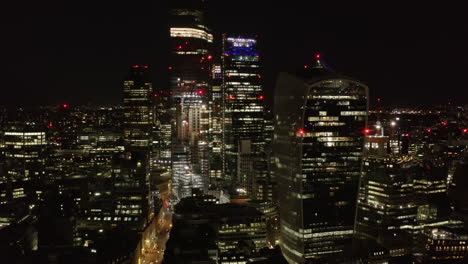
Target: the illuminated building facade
(190, 69)
(23, 152)
(241, 233)
(266, 187)
(387, 201)
(244, 140)
(131, 173)
(216, 127)
(445, 245)
(216, 233)
(138, 109)
(400, 195)
(431, 189)
(161, 153)
(376, 146)
(318, 144)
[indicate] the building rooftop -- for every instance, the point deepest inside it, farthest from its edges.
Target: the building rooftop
(447, 234)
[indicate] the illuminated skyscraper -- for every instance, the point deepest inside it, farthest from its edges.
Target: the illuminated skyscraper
(387, 202)
(131, 175)
(138, 110)
(216, 127)
(244, 139)
(190, 68)
(23, 152)
(162, 133)
(318, 142)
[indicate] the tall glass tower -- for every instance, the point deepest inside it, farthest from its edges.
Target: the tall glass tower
(190, 69)
(244, 141)
(216, 127)
(131, 175)
(138, 109)
(318, 142)
(23, 149)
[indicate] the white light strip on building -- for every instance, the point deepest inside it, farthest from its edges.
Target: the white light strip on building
(191, 33)
(242, 40)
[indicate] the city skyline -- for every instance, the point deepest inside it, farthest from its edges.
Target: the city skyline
(238, 133)
(56, 49)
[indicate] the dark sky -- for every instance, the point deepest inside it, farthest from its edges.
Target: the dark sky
(79, 52)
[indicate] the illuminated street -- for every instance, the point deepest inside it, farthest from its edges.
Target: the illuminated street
(153, 240)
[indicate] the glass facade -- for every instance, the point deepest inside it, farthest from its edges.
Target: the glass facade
(216, 127)
(318, 146)
(387, 200)
(244, 143)
(131, 174)
(190, 70)
(23, 152)
(138, 110)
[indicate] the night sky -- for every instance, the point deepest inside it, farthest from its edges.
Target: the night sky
(57, 52)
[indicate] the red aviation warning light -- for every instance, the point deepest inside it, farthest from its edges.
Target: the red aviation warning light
(318, 56)
(367, 131)
(261, 97)
(465, 130)
(200, 92)
(301, 131)
(306, 66)
(65, 106)
(429, 130)
(444, 123)
(170, 68)
(50, 125)
(210, 57)
(232, 97)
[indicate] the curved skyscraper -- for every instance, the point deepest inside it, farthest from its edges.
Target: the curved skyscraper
(318, 142)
